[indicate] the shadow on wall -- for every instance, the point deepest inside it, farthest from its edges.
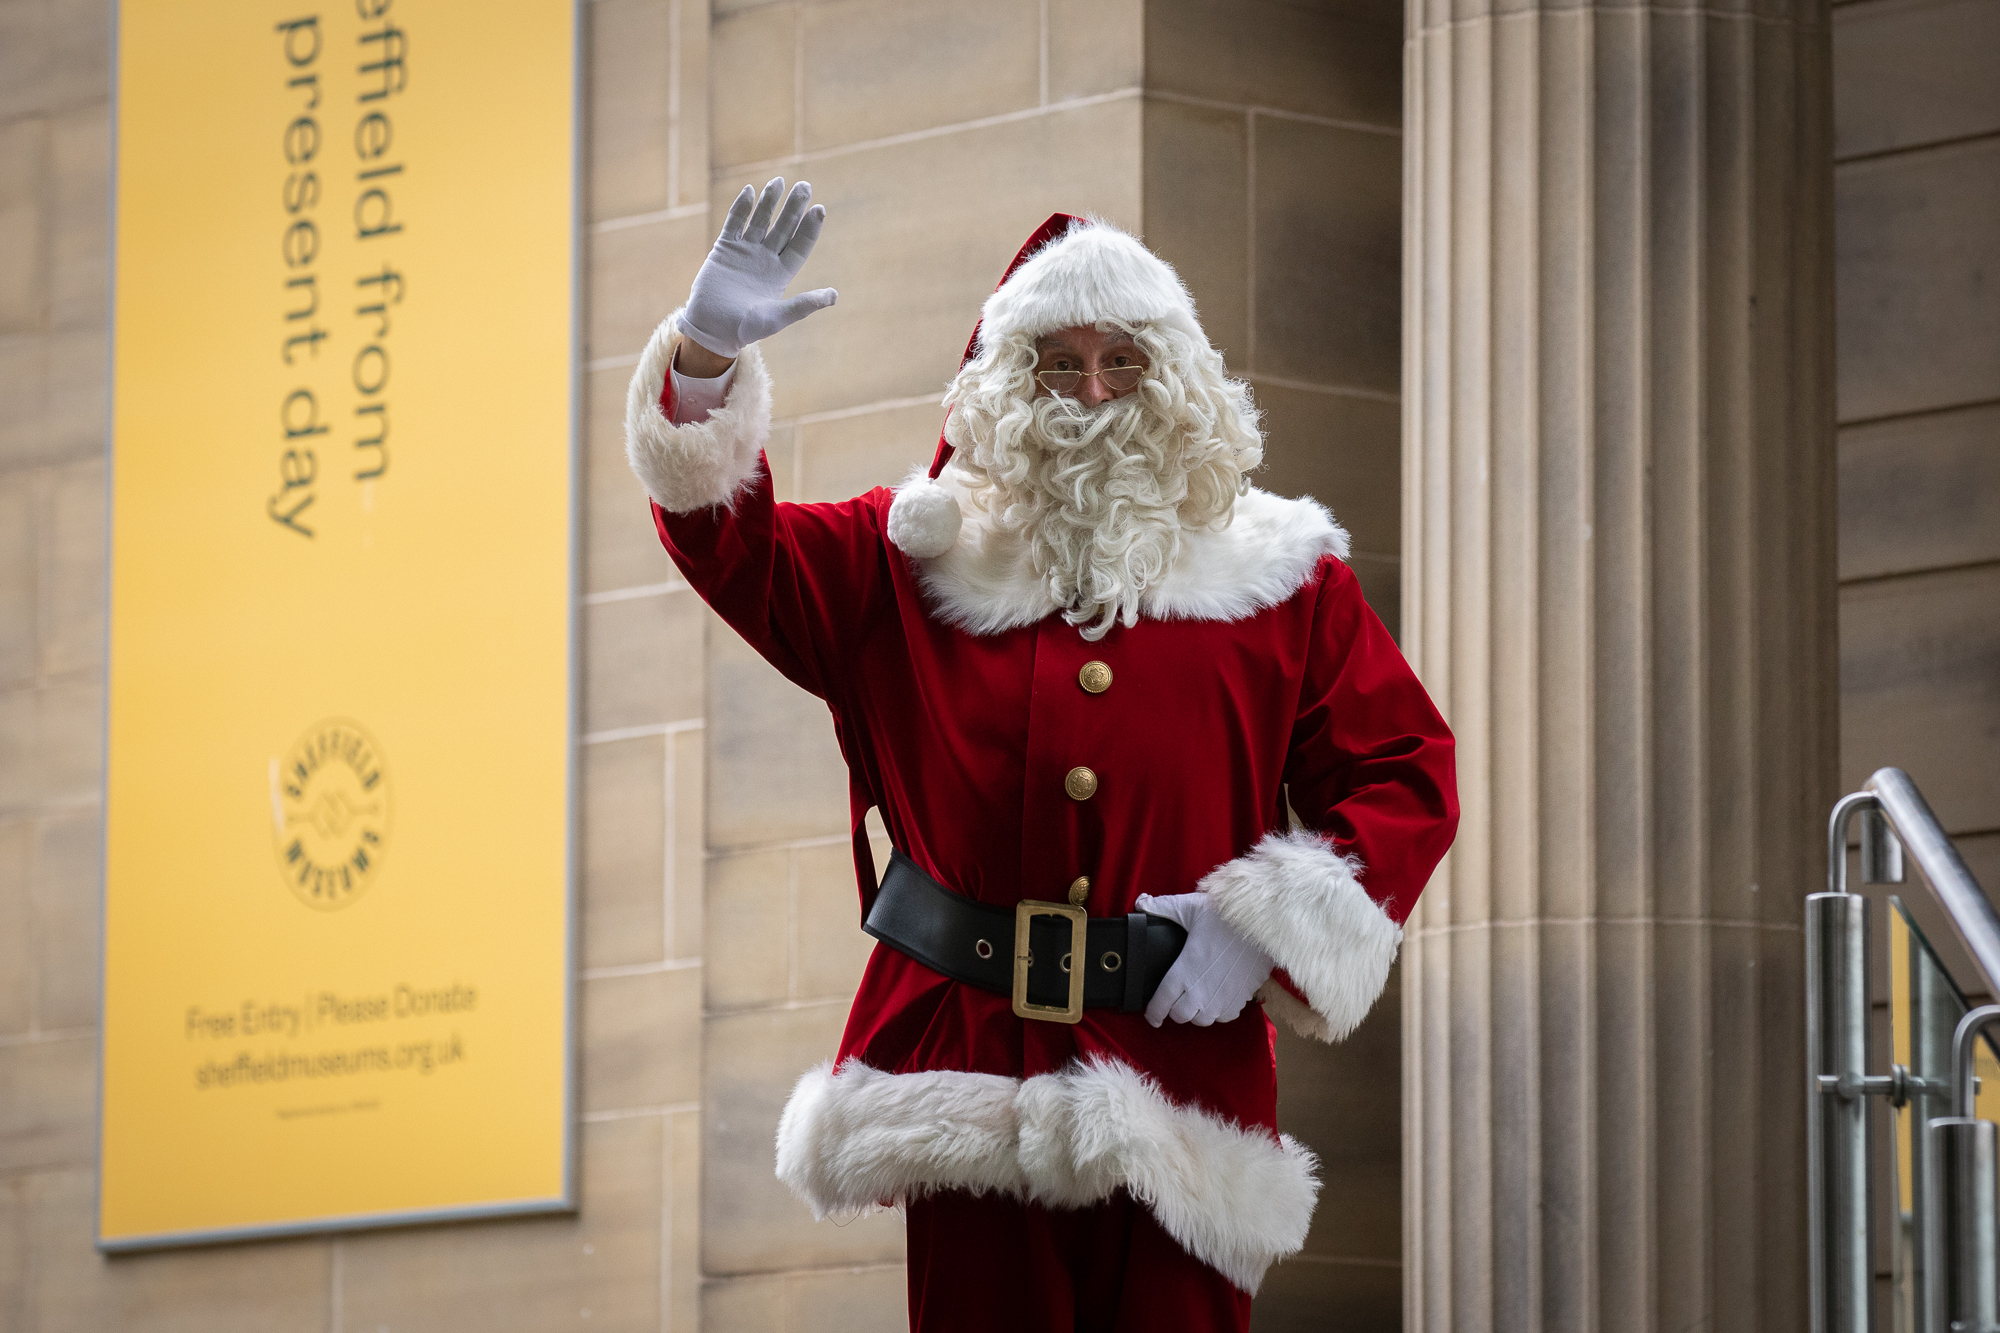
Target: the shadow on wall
(1346, 1102)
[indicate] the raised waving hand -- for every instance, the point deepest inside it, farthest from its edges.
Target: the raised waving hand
(739, 296)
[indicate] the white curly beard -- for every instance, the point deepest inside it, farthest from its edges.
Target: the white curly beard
(1099, 505)
(1102, 495)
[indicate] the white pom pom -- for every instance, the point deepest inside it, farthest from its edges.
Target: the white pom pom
(923, 518)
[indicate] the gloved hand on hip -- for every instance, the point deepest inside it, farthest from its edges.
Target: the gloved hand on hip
(739, 295)
(1218, 971)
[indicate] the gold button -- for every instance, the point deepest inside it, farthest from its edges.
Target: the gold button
(1095, 677)
(1081, 784)
(1079, 889)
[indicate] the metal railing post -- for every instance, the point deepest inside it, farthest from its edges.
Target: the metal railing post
(1963, 1228)
(1962, 1295)
(1836, 931)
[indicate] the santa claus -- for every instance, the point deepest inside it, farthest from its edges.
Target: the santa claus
(1151, 767)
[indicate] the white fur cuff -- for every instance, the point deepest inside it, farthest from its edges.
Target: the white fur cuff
(855, 1138)
(705, 464)
(1302, 902)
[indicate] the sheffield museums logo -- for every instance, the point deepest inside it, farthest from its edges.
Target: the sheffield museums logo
(330, 810)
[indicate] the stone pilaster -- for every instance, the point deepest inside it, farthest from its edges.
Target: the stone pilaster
(1619, 586)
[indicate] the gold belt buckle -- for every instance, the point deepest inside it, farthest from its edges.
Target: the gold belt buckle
(1079, 943)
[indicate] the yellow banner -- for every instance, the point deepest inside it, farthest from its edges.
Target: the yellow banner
(337, 928)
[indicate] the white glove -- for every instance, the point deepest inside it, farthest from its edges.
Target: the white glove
(739, 295)
(1217, 972)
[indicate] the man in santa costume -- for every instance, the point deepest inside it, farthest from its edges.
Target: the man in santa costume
(1151, 768)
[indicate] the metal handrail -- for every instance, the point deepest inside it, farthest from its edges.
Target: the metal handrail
(1971, 915)
(1961, 1290)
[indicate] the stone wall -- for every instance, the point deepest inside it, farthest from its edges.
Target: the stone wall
(1917, 182)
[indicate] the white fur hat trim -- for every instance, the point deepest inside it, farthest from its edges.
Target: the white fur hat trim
(1091, 272)
(924, 518)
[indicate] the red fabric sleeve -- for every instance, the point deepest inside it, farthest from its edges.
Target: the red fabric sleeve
(798, 582)
(1371, 761)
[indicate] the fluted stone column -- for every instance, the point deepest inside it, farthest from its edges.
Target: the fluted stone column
(1619, 536)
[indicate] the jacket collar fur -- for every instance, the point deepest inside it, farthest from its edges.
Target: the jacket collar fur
(984, 585)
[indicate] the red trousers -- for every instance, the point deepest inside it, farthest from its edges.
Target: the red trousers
(984, 1263)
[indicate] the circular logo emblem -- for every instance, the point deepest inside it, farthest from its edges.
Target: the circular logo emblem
(330, 799)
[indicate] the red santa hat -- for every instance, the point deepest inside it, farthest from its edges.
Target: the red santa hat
(1072, 271)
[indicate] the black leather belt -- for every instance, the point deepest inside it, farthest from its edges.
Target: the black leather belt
(1026, 951)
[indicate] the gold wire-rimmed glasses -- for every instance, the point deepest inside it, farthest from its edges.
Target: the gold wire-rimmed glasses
(1118, 379)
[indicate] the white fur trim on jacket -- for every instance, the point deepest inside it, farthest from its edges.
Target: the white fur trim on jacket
(697, 466)
(1302, 902)
(1091, 272)
(985, 584)
(855, 1138)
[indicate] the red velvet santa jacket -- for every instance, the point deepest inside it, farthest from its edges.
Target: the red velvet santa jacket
(1256, 672)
